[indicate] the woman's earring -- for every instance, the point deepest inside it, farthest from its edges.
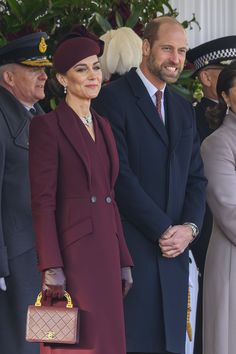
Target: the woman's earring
(65, 90)
(227, 109)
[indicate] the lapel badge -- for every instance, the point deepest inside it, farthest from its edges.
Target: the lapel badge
(42, 45)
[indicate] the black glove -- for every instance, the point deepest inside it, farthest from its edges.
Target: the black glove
(54, 282)
(127, 280)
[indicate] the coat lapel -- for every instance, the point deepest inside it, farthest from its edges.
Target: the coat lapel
(67, 121)
(17, 118)
(111, 145)
(22, 135)
(173, 113)
(146, 105)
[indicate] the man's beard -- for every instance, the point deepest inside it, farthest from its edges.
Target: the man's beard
(160, 72)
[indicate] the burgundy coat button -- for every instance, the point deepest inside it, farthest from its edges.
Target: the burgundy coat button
(93, 199)
(108, 200)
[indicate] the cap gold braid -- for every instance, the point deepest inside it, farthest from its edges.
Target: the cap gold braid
(37, 62)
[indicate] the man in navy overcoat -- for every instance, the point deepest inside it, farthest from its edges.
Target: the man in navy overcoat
(160, 187)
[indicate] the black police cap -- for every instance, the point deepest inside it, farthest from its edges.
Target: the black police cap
(28, 50)
(219, 51)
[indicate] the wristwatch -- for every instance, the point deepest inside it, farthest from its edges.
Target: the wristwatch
(195, 230)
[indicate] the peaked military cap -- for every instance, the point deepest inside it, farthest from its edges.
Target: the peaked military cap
(219, 52)
(28, 50)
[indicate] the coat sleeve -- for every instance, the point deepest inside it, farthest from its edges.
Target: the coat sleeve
(219, 165)
(195, 196)
(135, 205)
(43, 168)
(4, 268)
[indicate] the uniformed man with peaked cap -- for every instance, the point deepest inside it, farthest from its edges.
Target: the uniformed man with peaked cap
(209, 59)
(22, 80)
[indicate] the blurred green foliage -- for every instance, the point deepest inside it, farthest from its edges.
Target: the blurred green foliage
(56, 17)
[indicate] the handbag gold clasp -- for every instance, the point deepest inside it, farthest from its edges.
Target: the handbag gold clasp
(50, 335)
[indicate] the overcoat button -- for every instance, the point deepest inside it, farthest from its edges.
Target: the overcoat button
(108, 200)
(93, 199)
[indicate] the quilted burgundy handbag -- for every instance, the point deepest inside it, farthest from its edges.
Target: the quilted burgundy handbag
(52, 324)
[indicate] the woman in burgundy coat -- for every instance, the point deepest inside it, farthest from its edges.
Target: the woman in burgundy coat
(73, 168)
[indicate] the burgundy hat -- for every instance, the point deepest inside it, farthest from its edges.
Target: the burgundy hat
(74, 47)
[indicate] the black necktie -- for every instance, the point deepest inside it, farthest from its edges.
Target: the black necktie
(33, 111)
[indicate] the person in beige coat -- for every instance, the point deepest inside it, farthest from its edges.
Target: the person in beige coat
(219, 157)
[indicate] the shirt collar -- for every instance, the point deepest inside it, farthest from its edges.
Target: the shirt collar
(29, 108)
(212, 99)
(149, 86)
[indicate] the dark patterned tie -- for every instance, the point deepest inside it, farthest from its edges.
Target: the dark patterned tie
(158, 95)
(33, 111)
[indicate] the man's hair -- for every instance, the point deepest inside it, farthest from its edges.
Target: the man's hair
(152, 28)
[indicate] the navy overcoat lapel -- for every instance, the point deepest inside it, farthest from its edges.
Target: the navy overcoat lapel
(146, 105)
(174, 114)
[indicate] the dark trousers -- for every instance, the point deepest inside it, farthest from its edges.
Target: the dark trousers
(23, 286)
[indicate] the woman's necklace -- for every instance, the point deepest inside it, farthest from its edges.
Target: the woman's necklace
(87, 120)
